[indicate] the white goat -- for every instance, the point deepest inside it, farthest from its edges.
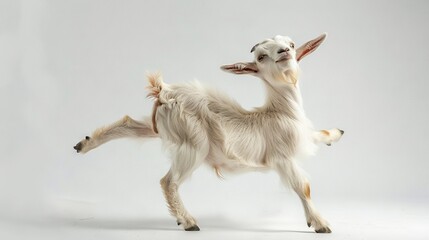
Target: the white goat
(201, 125)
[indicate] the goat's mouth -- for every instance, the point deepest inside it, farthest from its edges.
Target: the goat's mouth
(284, 58)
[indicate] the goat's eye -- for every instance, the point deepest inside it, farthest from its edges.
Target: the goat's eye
(292, 45)
(261, 57)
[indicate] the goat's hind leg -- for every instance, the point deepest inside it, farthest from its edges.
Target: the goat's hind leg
(126, 127)
(185, 161)
(328, 136)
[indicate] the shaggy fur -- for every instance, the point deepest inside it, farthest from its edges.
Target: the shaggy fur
(200, 125)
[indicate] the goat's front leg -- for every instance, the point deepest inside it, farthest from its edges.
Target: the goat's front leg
(328, 136)
(126, 127)
(293, 176)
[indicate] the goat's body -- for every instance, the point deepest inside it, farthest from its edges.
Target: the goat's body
(228, 137)
(199, 125)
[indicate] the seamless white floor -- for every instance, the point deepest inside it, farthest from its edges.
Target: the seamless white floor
(349, 220)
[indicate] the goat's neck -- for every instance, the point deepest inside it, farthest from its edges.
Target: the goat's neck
(284, 98)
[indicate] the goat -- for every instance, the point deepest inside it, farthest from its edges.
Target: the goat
(200, 125)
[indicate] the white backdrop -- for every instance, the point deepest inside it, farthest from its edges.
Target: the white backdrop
(68, 67)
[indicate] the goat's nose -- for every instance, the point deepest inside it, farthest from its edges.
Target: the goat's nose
(283, 50)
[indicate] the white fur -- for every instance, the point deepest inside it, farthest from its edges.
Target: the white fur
(201, 125)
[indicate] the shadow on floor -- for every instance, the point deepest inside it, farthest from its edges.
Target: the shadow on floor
(169, 224)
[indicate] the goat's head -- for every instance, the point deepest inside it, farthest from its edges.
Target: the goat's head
(275, 59)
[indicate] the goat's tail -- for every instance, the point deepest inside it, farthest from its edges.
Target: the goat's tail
(155, 87)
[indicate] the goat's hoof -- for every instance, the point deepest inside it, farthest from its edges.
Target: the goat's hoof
(193, 228)
(78, 147)
(178, 223)
(309, 224)
(341, 131)
(82, 146)
(328, 144)
(323, 230)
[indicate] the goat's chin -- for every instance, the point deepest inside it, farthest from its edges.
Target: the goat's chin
(289, 65)
(288, 77)
(292, 65)
(291, 72)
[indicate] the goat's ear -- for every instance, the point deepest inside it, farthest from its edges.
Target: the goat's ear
(309, 47)
(241, 68)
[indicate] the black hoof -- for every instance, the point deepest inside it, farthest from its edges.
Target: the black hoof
(342, 132)
(309, 224)
(178, 223)
(324, 230)
(78, 147)
(87, 138)
(193, 228)
(328, 144)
